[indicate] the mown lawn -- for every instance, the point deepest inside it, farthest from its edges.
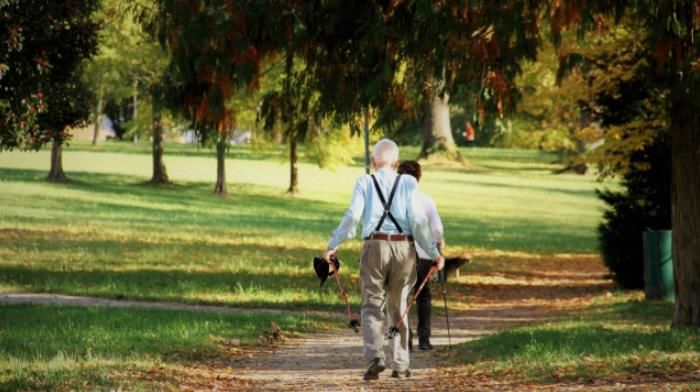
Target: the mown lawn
(106, 234)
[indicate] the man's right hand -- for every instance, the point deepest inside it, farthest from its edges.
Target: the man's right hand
(440, 262)
(330, 253)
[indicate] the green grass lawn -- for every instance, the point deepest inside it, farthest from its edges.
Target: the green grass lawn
(621, 339)
(48, 348)
(107, 234)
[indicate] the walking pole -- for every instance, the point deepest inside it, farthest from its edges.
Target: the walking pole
(394, 330)
(354, 322)
(443, 277)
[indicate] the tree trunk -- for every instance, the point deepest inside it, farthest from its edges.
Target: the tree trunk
(293, 167)
(368, 164)
(160, 174)
(291, 119)
(437, 130)
(220, 189)
(584, 121)
(98, 113)
(56, 173)
(685, 139)
(277, 133)
(578, 167)
(135, 112)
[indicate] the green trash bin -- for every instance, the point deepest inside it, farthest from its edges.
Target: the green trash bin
(658, 268)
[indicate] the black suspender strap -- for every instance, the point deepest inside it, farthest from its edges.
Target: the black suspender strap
(385, 204)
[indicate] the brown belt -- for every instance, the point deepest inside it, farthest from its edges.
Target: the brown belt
(389, 237)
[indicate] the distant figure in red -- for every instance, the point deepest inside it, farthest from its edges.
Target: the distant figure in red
(469, 134)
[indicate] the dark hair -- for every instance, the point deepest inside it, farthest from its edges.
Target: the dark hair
(412, 168)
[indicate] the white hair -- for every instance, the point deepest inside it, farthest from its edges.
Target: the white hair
(385, 152)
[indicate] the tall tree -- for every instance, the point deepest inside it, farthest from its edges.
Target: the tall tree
(68, 105)
(675, 23)
(160, 173)
(215, 48)
(293, 106)
(46, 44)
(129, 62)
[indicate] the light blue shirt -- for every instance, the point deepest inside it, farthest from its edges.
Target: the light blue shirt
(406, 209)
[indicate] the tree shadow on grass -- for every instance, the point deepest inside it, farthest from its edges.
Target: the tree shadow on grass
(513, 234)
(498, 293)
(185, 150)
(126, 198)
(47, 240)
(511, 188)
(256, 209)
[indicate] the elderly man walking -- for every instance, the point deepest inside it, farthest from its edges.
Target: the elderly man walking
(392, 218)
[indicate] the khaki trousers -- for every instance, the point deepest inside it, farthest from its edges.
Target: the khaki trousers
(387, 275)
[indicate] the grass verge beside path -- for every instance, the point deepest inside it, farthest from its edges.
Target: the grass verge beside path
(106, 234)
(49, 348)
(621, 339)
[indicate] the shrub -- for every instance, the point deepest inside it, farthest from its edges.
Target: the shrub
(644, 204)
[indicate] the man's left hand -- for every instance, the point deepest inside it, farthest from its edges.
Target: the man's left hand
(440, 262)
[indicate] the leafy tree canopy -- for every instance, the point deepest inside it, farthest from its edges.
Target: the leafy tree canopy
(43, 46)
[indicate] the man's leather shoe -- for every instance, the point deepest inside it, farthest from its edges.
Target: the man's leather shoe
(398, 374)
(424, 343)
(376, 366)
